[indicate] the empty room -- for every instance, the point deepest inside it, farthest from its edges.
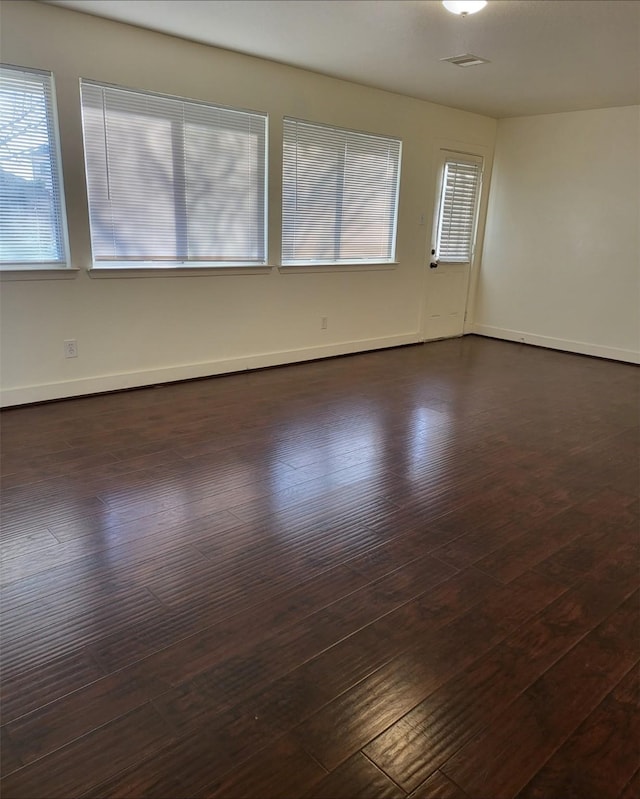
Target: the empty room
(320, 333)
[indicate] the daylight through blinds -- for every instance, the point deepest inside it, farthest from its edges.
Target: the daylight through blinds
(31, 207)
(457, 215)
(173, 181)
(339, 195)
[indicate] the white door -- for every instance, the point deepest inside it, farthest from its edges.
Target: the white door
(451, 255)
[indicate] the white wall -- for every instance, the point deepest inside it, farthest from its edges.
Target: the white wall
(135, 331)
(561, 261)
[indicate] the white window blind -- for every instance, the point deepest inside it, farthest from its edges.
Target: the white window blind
(32, 221)
(457, 213)
(172, 181)
(339, 195)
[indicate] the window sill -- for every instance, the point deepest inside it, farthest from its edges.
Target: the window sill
(52, 273)
(175, 271)
(295, 269)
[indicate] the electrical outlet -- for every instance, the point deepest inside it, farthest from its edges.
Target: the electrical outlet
(70, 348)
(323, 322)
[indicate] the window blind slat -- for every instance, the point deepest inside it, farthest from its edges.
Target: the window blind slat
(173, 180)
(32, 222)
(339, 195)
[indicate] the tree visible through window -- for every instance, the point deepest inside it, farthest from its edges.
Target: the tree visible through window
(339, 195)
(172, 181)
(32, 225)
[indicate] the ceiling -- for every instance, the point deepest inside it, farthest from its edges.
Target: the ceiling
(545, 55)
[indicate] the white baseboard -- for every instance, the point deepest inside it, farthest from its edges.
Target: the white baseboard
(114, 382)
(566, 345)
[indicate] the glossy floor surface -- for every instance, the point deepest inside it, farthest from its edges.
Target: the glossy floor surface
(405, 573)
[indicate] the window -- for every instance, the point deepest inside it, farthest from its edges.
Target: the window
(339, 195)
(173, 182)
(457, 211)
(32, 221)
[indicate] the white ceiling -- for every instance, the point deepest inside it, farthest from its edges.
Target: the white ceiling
(546, 55)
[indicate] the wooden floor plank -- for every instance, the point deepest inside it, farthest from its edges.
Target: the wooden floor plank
(531, 547)
(58, 723)
(468, 703)
(598, 760)
(632, 788)
(410, 570)
(529, 731)
(26, 690)
(70, 771)
(282, 770)
(9, 757)
(379, 700)
(438, 787)
(193, 762)
(356, 778)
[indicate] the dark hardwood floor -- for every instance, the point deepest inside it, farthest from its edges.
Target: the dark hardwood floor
(409, 573)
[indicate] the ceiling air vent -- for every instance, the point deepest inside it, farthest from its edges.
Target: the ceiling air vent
(466, 60)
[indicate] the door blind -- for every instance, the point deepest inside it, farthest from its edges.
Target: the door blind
(457, 213)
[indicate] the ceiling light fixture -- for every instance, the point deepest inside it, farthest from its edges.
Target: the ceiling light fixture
(464, 7)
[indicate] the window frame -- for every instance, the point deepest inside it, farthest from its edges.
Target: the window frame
(39, 267)
(175, 267)
(348, 264)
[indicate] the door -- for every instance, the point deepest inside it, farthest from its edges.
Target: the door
(452, 249)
